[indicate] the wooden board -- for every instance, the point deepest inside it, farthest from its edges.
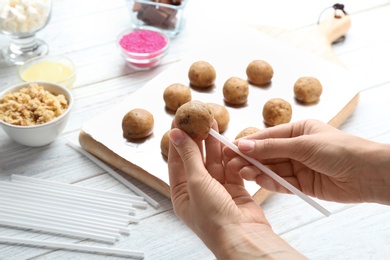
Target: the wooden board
(323, 46)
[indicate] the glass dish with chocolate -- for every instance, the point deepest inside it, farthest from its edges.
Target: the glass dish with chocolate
(163, 15)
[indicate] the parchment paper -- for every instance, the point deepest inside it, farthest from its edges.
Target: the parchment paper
(229, 59)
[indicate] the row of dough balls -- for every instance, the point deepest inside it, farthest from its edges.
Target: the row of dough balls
(195, 118)
(202, 74)
(138, 123)
(259, 72)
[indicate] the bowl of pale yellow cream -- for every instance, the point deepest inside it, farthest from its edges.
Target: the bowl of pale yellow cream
(56, 69)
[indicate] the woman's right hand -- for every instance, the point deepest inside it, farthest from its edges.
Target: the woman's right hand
(319, 160)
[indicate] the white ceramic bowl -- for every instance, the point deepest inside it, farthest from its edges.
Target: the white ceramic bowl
(43, 134)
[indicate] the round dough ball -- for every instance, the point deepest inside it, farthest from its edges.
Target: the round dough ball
(259, 72)
(307, 89)
(176, 95)
(247, 131)
(164, 144)
(137, 123)
(236, 91)
(277, 111)
(221, 115)
(195, 118)
(201, 74)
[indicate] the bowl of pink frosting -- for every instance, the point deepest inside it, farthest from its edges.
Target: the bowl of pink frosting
(143, 49)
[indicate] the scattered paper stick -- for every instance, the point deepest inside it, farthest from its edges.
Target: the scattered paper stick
(117, 176)
(82, 248)
(47, 222)
(48, 204)
(16, 202)
(15, 209)
(32, 192)
(57, 219)
(60, 185)
(270, 173)
(57, 230)
(74, 195)
(65, 203)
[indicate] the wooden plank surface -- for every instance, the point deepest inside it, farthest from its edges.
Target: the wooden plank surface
(85, 31)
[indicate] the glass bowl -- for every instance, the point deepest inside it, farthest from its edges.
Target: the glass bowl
(40, 134)
(165, 16)
(143, 49)
(55, 69)
(20, 20)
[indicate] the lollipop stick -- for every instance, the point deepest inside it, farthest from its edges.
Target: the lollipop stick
(270, 173)
(83, 248)
(114, 174)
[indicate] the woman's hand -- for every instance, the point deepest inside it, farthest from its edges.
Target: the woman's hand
(214, 203)
(319, 160)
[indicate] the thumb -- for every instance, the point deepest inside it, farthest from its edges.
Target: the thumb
(271, 148)
(189, 152)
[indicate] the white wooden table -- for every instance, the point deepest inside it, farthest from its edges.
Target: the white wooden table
(85, 31)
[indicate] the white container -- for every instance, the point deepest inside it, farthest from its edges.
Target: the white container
(43, 134)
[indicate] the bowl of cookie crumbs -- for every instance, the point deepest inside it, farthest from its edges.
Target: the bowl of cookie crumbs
(35, 113)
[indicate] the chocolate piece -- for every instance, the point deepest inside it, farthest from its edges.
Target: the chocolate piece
(152, 16)
(170, 23)
(137, 7)
(159, 16)
(176, 2)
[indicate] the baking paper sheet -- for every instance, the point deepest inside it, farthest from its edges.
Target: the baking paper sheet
(229, 59)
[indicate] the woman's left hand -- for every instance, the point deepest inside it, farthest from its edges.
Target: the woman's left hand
(213, 202)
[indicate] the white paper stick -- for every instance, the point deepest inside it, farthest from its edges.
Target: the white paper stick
(96, 192)
(57, 218)
(60, 216)
(49, 223)
(75, 195)
(270, 173)
(30, 190)
(61, 201)
(122, 180)
(56, 230)
(82, 248)
(39, 203)
(17, 202)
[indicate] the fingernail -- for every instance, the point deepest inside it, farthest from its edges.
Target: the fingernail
(246, 145)
(176, 136)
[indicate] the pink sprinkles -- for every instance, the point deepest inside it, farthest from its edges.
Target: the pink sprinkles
(143, 41)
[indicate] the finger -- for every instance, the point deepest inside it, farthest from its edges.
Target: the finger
(270, 184)
(229, 153)
(200, 144)
(284, 169)
(176, 171)
(232, 171)
(272, 148)
(250, 172)
(189, 153)
(278, 131)
(214, 156)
